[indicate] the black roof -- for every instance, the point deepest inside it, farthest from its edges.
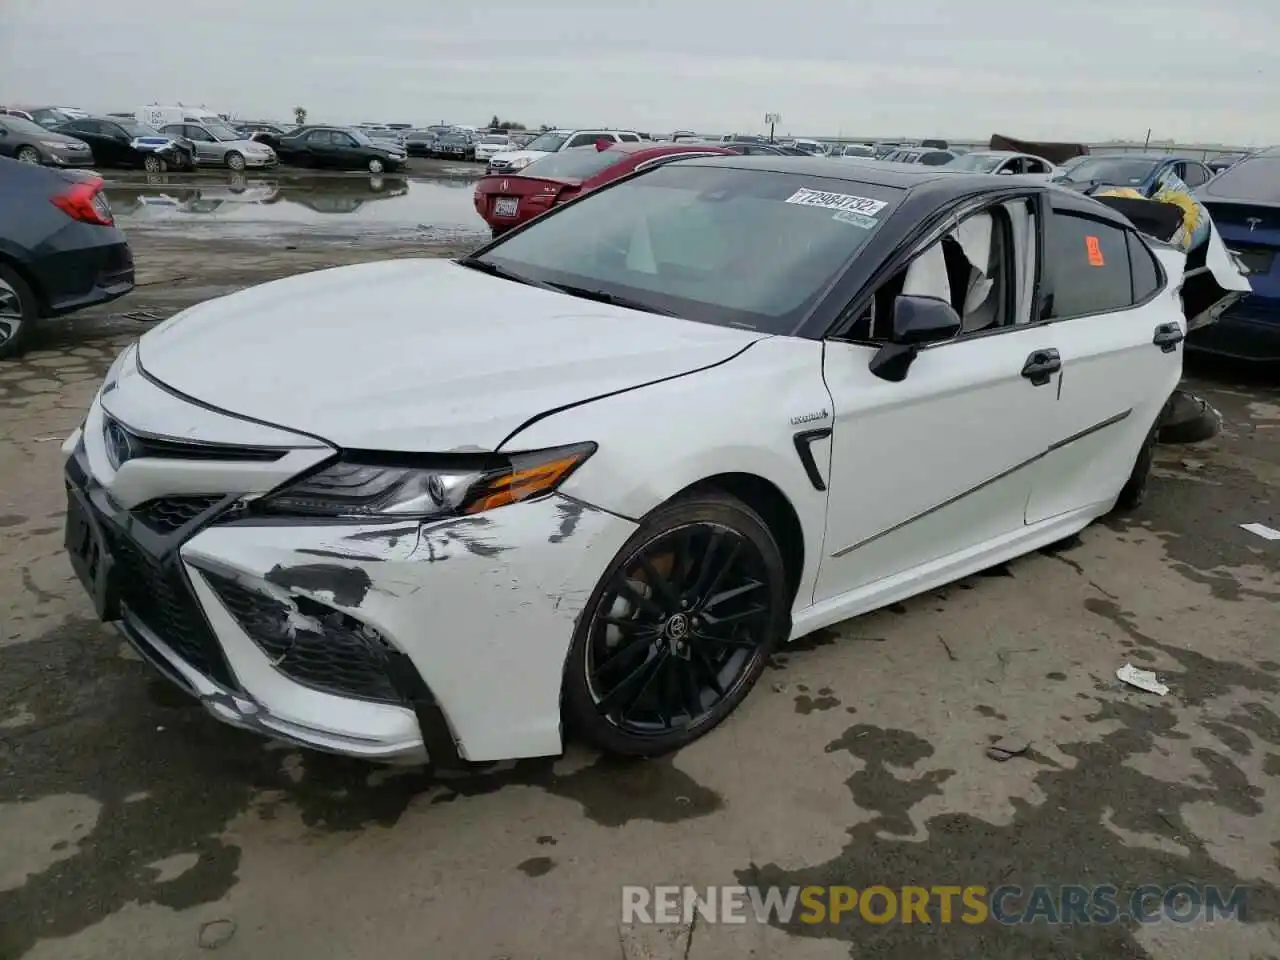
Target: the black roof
(932, 183)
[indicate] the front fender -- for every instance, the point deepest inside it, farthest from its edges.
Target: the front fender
(657, 440)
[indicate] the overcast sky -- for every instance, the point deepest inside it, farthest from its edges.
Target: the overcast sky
(1047, 69)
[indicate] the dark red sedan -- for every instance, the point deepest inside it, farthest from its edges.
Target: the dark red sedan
(506, 201)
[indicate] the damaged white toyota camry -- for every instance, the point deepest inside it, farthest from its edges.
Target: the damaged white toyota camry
(591, 476)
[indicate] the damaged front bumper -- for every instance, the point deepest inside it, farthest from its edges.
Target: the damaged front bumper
(442, 640)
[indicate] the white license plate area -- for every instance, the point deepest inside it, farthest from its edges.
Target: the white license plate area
(506, 206)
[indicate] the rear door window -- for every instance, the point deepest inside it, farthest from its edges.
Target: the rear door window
(1090, 263)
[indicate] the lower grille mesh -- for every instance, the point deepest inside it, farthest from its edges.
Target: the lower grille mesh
(157, 594)
(313, 644)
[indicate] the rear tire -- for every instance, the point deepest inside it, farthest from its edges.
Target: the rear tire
(18, 313)
(154, 164)
(28, 155)
(671, 671)
(235, 161)
(1134, 491)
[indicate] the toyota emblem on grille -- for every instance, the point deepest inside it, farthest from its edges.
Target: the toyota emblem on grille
(119, 444)
(1251, 221)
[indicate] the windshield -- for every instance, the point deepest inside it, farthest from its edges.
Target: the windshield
(1255, 179)
(743, 248)
(22, 126)
(220, 131)
(976, 162)
(453, 138)
(494, 139)
(360, 138)
(856, 151)
(1119, 171)
(550, 142)
(135, 129)
(576, 163)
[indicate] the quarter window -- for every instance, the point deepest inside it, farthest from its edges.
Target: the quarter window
(1146, 275)
(1090, 263)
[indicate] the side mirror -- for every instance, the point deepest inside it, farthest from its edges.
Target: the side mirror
(916, 321)
(1006, 172)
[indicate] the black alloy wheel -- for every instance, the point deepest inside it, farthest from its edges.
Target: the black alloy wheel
(679, 628)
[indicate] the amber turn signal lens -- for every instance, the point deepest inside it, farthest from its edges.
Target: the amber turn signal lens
(527, 482)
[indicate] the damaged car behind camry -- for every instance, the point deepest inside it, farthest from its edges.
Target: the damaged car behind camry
(630, 449)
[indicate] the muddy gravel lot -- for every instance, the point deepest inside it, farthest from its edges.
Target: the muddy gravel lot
(134, 825)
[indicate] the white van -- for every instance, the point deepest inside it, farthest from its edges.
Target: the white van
(158, 115)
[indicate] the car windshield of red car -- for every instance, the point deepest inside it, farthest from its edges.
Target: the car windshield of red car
(576, 163)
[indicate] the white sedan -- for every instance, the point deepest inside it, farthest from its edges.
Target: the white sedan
(590, 477)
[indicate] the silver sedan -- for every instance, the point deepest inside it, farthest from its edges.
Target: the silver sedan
(218, 145)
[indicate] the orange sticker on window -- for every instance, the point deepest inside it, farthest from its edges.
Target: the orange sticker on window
(1095, 252)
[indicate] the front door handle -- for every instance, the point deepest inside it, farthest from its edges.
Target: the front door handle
(1041, 366)
(1168, 336)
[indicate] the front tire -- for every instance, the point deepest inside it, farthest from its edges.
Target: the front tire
(28, 155)
(679, 628)
(376, 165)
(18, 313)
(236, 161)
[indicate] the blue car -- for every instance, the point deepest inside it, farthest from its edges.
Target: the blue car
(1141, 171)
(1244, 202)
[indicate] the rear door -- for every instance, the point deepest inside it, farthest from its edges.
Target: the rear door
(1111, 302)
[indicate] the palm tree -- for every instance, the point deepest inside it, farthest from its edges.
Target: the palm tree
(300, 115)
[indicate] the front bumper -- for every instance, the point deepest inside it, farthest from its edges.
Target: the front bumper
(393, 642)
(77, 159)
(260, 161)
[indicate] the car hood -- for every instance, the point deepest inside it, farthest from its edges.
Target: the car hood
(250, 146)
(417, 355)
(530, 155)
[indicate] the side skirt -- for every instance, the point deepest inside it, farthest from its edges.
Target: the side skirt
(937, 573)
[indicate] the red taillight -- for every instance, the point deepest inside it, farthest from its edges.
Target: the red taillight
(84, 202)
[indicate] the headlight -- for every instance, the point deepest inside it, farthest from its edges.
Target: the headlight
(519, 163)
(55, 144)
(382, 486)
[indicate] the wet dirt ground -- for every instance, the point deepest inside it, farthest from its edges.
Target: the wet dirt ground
(134, 825)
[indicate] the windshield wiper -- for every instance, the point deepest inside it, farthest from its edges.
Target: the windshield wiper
(613, 299)
(484, 266)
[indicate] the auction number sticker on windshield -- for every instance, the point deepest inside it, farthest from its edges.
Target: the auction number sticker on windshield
(845, 202)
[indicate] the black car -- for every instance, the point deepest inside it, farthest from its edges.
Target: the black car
(117, 142)
(453, 146)
(62, 250)
(336, 148)
(418, 143)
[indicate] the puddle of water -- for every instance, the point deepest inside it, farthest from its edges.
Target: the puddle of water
(251, 206)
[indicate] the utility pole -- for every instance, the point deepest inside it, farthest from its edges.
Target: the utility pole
(772, 119)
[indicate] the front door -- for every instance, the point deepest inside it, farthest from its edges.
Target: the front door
(1109, 301)
(938, 464)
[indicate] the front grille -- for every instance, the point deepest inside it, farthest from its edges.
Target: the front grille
(313, 644)
(167, 514)
(124, 445)
(157, 594)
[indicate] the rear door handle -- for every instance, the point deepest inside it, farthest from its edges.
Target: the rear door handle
(1041, 366)
(1168, 336)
